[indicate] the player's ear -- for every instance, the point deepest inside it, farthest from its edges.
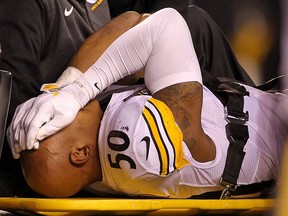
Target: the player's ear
(80, 154)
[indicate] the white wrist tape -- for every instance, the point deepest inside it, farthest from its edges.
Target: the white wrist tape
(68, 76)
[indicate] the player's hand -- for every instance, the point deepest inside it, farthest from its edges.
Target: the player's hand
(14, 127)
(43, 116)
(68, 76)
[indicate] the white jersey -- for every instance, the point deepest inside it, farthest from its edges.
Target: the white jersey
(142, 150)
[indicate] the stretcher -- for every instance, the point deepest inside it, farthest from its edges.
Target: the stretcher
(114, 206)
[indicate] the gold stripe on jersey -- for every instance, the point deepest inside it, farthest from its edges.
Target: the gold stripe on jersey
(166, 135)
(157, 139)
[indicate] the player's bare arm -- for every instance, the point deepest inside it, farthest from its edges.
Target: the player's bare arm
(185, 102)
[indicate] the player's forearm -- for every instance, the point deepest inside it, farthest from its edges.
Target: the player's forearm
(96, 44)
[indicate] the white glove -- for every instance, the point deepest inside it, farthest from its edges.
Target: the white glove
(44, 115)
(68, 76)
(14, 130)
(14, 127)
(57, 107)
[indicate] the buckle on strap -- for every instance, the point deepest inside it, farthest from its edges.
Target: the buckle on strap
(226, 193)
(236, 117)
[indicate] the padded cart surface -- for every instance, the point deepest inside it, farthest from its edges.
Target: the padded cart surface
(100, 206)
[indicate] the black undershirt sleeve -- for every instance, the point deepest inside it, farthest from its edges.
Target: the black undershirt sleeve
(22, 34)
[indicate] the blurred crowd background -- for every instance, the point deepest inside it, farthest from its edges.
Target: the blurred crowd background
(253, 28)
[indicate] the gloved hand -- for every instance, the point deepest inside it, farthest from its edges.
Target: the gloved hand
(56, 108)
(44, 115)
(14, 127)
(68, 76)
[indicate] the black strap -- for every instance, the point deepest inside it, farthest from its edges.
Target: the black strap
(237, 134)
(273, 85)
(231, 93)
(264, 189)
